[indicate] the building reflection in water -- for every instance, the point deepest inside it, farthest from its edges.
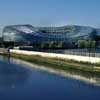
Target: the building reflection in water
(78, 76)
(12, 75)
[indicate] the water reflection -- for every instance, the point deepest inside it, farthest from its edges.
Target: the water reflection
(20, 80)
(12, 75)
(78, 76)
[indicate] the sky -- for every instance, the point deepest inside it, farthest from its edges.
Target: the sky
(50, 12)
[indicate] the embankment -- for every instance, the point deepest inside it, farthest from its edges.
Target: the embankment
(59, 61)
(92, 60)
(4, 51)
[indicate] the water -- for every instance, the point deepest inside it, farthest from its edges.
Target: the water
(23, 81)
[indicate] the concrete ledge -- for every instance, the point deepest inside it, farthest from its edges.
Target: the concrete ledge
(62, 56)
(4, 51)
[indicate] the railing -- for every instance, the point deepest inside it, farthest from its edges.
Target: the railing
(80, 52)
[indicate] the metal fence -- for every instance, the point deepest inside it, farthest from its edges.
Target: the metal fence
(79, 52)
(83, 52)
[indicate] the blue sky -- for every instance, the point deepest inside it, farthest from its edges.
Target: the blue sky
(50, 12)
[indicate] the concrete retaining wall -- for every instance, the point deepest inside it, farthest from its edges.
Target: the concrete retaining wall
(4, 51)
(62, 56)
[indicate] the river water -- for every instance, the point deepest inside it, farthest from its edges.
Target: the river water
(20, 80)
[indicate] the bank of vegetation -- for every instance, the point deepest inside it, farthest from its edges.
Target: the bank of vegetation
(81, 44)
(70, 65)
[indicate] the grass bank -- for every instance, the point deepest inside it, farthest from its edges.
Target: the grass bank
(68, 65)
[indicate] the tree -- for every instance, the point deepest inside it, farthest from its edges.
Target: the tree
(60, 44)
(82, 44)
(93, 44)
(42, 45)
(52, 45)
(86, 44)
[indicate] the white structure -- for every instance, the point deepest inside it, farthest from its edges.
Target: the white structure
(61, 56)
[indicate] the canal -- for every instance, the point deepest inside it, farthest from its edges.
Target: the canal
(20, 80)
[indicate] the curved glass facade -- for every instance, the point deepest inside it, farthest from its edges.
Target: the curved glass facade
(27, 33)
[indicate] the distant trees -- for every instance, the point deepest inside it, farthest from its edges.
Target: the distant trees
(56, 45)
(43, 45)
(60, 45)
(87, 44)
(51, 45)
(82, 44)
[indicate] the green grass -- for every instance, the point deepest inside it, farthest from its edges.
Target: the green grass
(68, 65)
